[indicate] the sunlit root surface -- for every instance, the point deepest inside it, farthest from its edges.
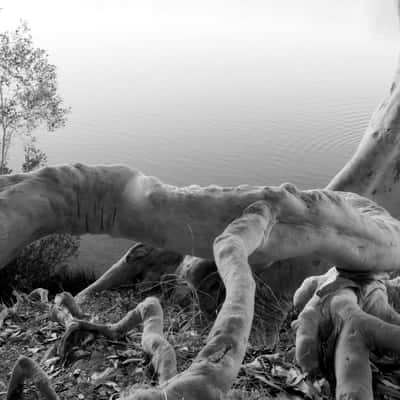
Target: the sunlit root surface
(342, 227)
(344, 318)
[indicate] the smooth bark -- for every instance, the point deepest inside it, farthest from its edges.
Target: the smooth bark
(343, 228)
(345, 318)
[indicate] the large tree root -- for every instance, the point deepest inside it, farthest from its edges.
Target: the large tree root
(145, 264)
(25, 368)
(280, 223)
(217, 365)
(140, 263)
(66, 311)
(345, 317)
(149, 313)
(344, 228)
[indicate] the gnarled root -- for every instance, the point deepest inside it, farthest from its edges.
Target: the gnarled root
(67, 312)
(25, 368)
(217, 365)
(149, 312)
(140, 263)
(67, 301)
(149, 264)
(345, 317)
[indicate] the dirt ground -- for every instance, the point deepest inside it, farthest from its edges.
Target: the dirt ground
(98, 368)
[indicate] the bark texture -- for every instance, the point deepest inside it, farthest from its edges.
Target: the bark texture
(280, 225)
(374, 169)
(344, 228)
(345, 318)
(149, 313)
(25, 368)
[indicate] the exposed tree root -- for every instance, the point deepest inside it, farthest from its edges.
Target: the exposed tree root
(345, 317)
(342, 227)
(216, 366)
(66, 300)
(42, 294)
(65, 310)
(3, 314)
(148, 264)
(140, 263)
(348, 312)
(5, 311)
(25, 368)
(149, 312)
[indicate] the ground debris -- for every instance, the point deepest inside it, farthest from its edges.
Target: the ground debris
(98, 368)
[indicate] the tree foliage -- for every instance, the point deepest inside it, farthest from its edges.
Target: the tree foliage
(33, 157)
(28, 89)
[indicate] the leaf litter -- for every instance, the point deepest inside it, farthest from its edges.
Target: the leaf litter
(101, 369)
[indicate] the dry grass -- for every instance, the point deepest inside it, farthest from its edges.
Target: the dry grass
(100, 369)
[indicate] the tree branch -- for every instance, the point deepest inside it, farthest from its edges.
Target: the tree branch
(343, 228)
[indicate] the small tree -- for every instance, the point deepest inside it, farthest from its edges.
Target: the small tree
(34, 157)
(28, 89)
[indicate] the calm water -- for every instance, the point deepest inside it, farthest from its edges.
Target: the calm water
(253, 93)
(224, 110)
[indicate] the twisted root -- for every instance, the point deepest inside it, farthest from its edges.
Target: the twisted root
(25, 368)
(345, 318)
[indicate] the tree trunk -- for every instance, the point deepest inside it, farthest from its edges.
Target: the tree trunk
(373, 172)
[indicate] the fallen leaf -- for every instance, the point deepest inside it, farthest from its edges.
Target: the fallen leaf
(51, 361)
(269, 382)
(113, 385)
(3, 315)
(308, 390)
(131, 360)
(98, 376)
(53, 375)
(34, 350)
